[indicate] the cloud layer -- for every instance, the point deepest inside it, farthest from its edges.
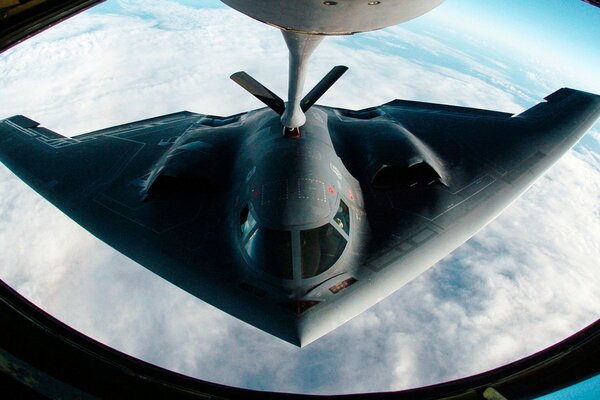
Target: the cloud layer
(526, 281)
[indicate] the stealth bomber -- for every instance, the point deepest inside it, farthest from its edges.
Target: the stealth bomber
(297, 217)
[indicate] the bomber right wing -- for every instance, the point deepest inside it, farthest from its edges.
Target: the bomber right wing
(433, 175)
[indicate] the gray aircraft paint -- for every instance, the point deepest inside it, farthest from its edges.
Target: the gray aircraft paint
(300, 47)
(343, 17)
(419, 179)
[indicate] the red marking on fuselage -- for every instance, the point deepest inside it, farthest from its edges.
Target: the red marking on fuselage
(291, 133)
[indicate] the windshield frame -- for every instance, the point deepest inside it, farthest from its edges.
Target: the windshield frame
(249, 226)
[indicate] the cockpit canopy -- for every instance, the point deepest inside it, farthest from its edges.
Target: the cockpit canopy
(310, 252)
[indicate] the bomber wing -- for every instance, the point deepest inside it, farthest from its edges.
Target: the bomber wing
(432, 175)
(155, 190)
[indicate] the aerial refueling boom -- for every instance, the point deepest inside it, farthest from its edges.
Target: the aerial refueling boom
(304, 24)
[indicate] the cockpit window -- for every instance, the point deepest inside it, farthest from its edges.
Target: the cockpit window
(320, 247)
(272, 251)
(342, 218)
(247, 221)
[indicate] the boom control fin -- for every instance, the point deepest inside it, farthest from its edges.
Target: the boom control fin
(323, 86)
(274, 102)
(256, 89)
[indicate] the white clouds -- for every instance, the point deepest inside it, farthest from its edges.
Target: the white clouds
(531, 274)
(128, 68)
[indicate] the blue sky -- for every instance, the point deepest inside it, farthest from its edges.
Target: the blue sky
(555, 33)
(558, 28)
(571, 25)
(586, 390)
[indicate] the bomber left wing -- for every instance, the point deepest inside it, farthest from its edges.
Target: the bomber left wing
(155, 190)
